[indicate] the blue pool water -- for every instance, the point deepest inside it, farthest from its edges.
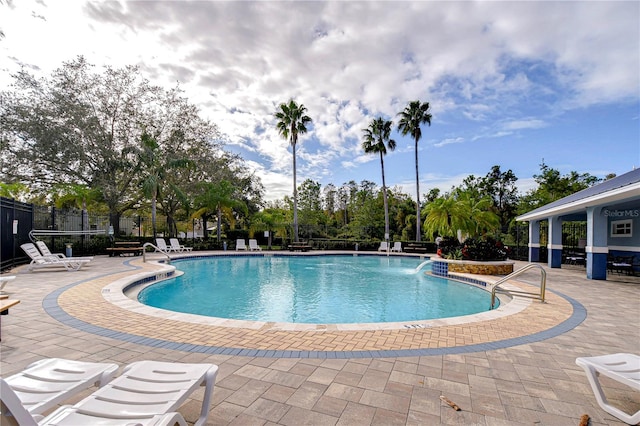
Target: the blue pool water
(313, 289)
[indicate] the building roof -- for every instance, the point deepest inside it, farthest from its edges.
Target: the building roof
(618, 189)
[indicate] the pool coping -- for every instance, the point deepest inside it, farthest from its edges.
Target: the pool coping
(53, 308)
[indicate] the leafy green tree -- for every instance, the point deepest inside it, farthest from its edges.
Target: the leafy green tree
(67, 196)
(481, 217)
(377, 139)
(367, 215)
(293, 122)
(272, 220)
(82, 127)
(310, 202)
(445, 215)
(460, 211)
(17, 191)
(221, 198)
(432, 195)
(156, 168)
(552, 186)
(501, 187)
(415, 115)
(330, 200)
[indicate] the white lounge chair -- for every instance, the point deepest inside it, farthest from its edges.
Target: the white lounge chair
(253, 245)
(397, 246)
(68, 416)
(147, 393)
(383, 246)
(4, 280)
(48, 382)
(177, 247)
(623, 368)
(40, 261)
(240, 245)
(44, 249)
(161, 244)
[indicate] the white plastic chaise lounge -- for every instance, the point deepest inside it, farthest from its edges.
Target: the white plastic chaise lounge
(161, 244)
(40, 261)
(240, 245)
(48, 382)
(397, 246)
(383, 246)
(177, 247)
(65, 415)
(44, 249)
(621, 367)
(253, 245)
(147, 393)
(4, 279)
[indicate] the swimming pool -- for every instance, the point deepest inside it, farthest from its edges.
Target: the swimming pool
(324, 289)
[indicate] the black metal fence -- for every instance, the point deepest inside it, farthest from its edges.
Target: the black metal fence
(91, 233)
(574, 239)
(16, 220)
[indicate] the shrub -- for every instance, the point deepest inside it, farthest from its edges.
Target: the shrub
(478, 249)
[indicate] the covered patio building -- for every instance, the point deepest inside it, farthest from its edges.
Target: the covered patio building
(612, 212)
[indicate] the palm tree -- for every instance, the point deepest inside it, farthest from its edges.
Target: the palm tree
(154, 168)
(221, 198)
(445, 215)
(462, 212)
(270, 220)
(414, 115)
(375, 136)
(293, 122)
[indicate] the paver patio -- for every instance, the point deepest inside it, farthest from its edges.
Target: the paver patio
(534, 382)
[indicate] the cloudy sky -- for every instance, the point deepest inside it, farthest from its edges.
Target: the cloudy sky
(510, 83)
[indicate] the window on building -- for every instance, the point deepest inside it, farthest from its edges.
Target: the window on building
(621, 228)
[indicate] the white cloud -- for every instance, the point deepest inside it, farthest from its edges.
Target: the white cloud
(448, 141)
(493, 67)
(524, 124)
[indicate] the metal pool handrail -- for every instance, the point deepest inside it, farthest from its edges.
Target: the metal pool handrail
(543, 284)
(144, 252)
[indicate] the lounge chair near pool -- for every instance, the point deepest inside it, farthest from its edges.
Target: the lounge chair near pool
(253, 245)
(44, 249)
(397, 246)
(177, 247)
(240, 245)
(4, 279)
(384, 246)
(623, 368)
(161, 244)
(147, 393)
(48, 382)
(40, 261)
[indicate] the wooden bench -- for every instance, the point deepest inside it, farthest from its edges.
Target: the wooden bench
(5, 304)
(415, 248)
(125, 247)
(299, 247)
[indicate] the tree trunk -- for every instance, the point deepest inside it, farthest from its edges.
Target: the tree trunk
(295, 197)
(154, 203)
(418, 218)
(219, 225)
(114, 220)
(386, 205)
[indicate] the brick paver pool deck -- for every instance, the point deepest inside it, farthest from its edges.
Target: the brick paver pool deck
(511, 366)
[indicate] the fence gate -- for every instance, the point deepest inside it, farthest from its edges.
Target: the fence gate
(16, 220)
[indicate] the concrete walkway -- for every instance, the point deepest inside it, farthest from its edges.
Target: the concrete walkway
(533, 382)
